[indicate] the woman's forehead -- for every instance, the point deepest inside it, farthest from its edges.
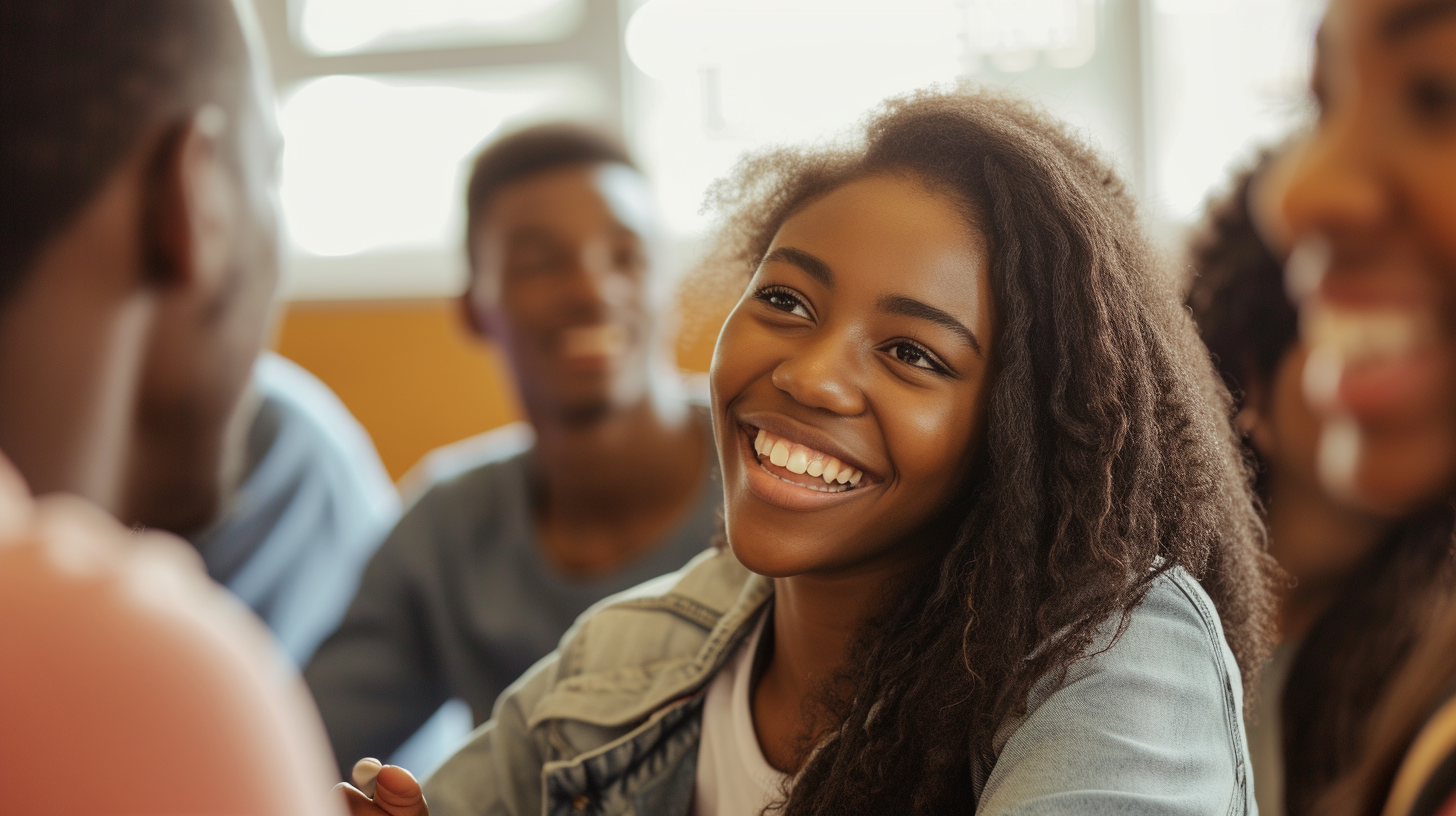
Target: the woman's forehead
(882, 214)
(891, 236)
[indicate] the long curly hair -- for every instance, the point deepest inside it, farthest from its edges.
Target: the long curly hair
(1108, 455)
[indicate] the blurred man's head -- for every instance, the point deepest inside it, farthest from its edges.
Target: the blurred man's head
(560, 232)
(138, 252)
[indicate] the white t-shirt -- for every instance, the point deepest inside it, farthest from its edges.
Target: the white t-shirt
(733, 778)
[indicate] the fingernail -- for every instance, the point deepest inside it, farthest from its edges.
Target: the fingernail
(366, 775)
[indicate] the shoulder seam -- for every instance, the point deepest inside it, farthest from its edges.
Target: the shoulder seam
(679, 605)
(1206, 617)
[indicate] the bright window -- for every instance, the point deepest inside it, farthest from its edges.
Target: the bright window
(1227, 77)
(722, 77)
(355, 26)
(373, 168)
(376, 162)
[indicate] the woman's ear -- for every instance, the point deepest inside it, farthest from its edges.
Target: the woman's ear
(193, 205)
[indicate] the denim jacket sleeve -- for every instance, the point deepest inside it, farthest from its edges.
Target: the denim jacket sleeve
(1151, 725)
(595, 688)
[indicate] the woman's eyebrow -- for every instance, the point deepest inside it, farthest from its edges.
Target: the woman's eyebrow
(812, 266)
(1412, 18)
(910, 307)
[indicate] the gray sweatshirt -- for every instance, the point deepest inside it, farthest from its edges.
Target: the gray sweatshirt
(459, 601)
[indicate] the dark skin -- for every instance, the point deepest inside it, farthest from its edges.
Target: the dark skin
(827, 348)
(833, 355)
(196, 407)
(1375, 178)
(562, 281)
(1317, 538)
(123, 315)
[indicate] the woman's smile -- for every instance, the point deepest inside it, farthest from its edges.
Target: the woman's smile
(796, 470)
(849, 383)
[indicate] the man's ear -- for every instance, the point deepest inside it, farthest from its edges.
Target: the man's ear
(470, 311)
(1254, 419)
(192, 212)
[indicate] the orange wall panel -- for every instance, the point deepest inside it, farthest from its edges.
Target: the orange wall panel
(407, 369)
(414, 376)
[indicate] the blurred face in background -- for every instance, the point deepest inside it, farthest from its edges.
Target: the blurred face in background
(562, 281)
(207, 334)
(1369, 204)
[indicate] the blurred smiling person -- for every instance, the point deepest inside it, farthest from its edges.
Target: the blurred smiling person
(613, 483)
(1368, 202)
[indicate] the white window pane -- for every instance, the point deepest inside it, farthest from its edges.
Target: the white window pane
(720, 80)
(376, 164)
(353, 26)
(1228, 76)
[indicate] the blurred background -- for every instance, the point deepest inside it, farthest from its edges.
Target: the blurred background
(384, 101)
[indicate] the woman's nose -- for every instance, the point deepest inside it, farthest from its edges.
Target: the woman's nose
(824, 374)
(1336, 187)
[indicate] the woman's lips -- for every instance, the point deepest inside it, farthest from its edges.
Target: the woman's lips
(785, 485)
(1373, 363)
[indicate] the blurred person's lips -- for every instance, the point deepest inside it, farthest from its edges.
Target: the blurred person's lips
(1375, 358)
(593, 344)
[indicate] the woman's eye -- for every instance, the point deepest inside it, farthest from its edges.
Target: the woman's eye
(916, 356)
(784, 301)
(1433, 99)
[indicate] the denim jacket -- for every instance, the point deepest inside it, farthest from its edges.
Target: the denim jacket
(609, 723)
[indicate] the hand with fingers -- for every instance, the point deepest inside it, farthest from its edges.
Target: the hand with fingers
(383, 790)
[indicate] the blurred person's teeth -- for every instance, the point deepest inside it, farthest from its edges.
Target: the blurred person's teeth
(779, 455)
(602, 340)
(844, 474)
(798, 460)
(1339, 455)
(1322, 371)
(831, 470)
(854, 480)
(1364, 334)
(815, 468)
(758, 442)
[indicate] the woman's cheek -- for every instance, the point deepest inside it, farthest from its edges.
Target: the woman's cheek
(1435, 208)
(930, 445)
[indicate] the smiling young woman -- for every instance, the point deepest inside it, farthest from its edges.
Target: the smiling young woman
(989, 544)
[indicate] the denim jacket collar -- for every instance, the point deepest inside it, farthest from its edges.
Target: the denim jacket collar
(650, 769)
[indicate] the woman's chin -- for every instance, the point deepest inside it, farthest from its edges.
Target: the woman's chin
(768, 561)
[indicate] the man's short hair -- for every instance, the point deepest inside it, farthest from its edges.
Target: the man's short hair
(532, 151)
(80, 82)
(1237, 292)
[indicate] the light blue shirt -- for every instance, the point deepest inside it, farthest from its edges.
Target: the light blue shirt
(313, 508)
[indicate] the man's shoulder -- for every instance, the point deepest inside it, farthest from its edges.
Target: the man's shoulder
(472, 498)
(481, 458)
(313, 421)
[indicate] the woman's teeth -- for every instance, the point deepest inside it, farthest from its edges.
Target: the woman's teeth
(1363, 335)
(796, 458)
